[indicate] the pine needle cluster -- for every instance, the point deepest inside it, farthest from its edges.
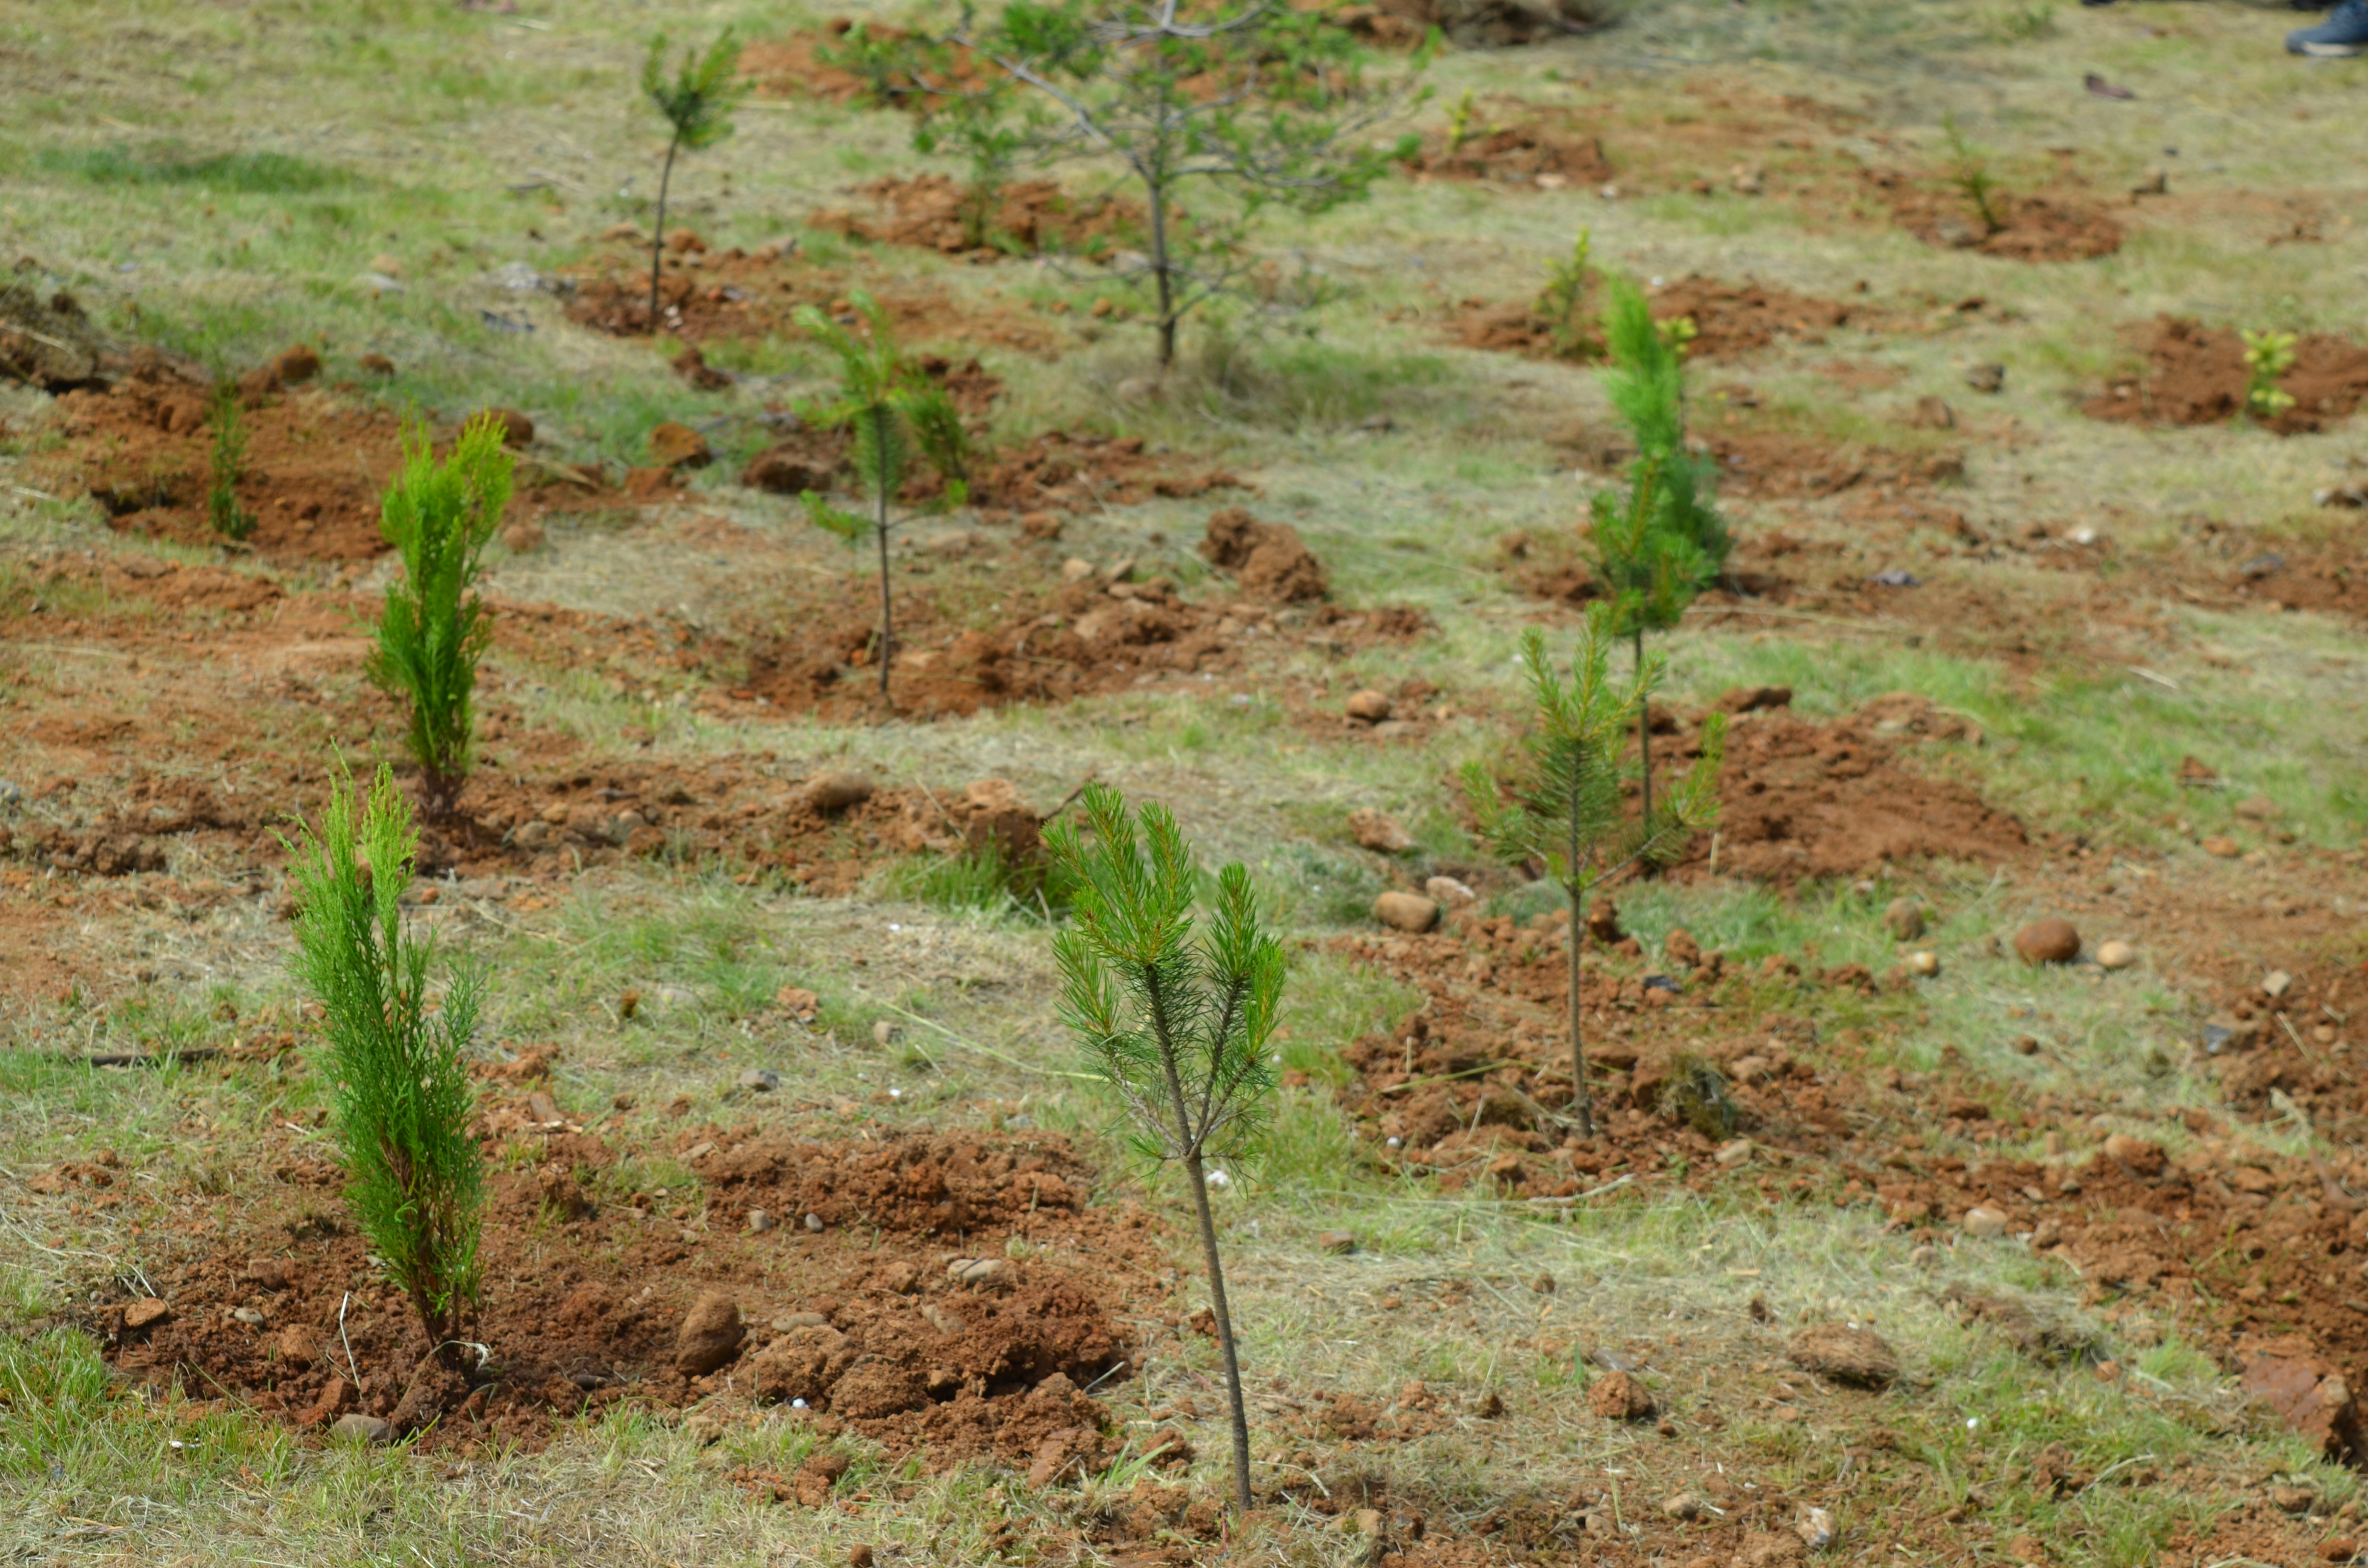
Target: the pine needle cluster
(696, 100)
(226, 465)
(414, 1177)
(1178, 1024)
(434, 630)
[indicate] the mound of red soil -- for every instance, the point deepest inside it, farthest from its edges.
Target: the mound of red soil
(2196, 375)
(589, 1284)
(1268, 560)
(1029, 216)
(1079, 470)
(1774, 463)
(2030, 228)
(1525, 154)
(1730, 320)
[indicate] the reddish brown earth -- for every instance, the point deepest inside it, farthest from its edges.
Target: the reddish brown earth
(2061, 226)
(587, 1283)
(1029, 216)
(2196, 375)
(1525, 154)
(1730, 320)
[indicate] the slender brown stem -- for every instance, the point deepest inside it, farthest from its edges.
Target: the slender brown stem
(1582, 1103)
(1643, 728)
(657, 241)
(887, 629)
(1160, 273)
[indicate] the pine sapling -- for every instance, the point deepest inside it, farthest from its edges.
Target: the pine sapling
(414, 1175)
(1562, 806)
(697, 104)
(434, 629)
(893, 408)
(1563, 302)
(1459, 123)
(1177, 1023)
(1969, 173)
(1661, 543)
(2267, 356)
(227, 465)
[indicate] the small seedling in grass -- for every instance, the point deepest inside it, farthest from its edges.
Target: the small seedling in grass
(1662, 542)
(2267, 356)
(892, 407)
(1696, 1095)
(438, 517)
(2021, 23)
(698, 103)
(414, 1174)
(960, 108)
(1459, 124)
(1178, 1025)
(1564, 303)
(228, 465)
(1969, 172)
(1561, 807)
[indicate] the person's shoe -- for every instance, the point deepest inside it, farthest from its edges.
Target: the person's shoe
(2345, 32)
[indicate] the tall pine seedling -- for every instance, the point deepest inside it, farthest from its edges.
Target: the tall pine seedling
(1176, 1021)
(895, 412)
(403, 1100)
(1660, 543)
(696, 101)
(1561, 805)
(439, 516)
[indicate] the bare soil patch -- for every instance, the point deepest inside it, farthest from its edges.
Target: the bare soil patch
(588, 1283)
(1731, 319)
(1029, 216)
(2196, 375)
(2061, 226)
(1531, 154)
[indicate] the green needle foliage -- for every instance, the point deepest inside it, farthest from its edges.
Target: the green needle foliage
(895, 412)
(1563, 302)
(1178, 1026)
(1969, 171)
(414, 1175)
(697, 102)
(433, 628)
(228, 465)
(1661, 543)
(1562, 807)
(2267, 356)
(1252, 104)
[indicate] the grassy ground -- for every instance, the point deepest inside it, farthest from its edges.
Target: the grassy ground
(219, 181)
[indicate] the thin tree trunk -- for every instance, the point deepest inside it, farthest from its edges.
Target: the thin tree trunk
(657, 241)
(1160, 274)
(1581, 1102)
(1644, 731)
(880, 527)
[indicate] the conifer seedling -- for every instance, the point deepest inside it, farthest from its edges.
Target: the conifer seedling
(434, 630)
(396, 1056)
(1562, 808)
(893, 408)
(1660, 543)
(1176, 1020)
(697, 102)
(2268, 355)
(227, 465)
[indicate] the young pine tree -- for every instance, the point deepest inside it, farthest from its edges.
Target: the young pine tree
(1662, 542)
(227, 465)
(1562, 806)
(433, 628)
(698, 103)
(894, 411)
(1178, 1024)
(414, 1175)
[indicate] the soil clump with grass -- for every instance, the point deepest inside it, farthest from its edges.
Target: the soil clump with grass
(2196, 375)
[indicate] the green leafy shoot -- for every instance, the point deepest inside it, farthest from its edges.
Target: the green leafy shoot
(227, 465)
(1561, 805)
(1969, 172)
(895, 412)
(433, 628)
(395, 1055)
(698, 101)
(1459, 123)
(1564, 303)
(1176, 1019)
(2267, 356)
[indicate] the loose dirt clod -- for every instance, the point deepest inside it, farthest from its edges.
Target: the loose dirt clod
(1903, 917)
(1368, 707)
(1406, 911)
(1379, 831)
(1268, 560)
(1620, 1396)
(2052, 940)
(1853, 1356)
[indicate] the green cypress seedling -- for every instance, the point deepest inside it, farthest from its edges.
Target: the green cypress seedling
(1660, 543)
(434, 629)
(892, 407)
(403, 1102)
(1561, 808)
(2268, 354)
(697, 104)
(1177, 1025)
(228, 465)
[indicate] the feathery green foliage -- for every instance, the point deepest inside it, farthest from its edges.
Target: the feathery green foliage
(697, 102)
(2268, 355)
(892, 407)
(227, 465)
(414, 1175)
(1662, 542)
(1969, 171)
(439, 516)
(1178, 1026)
(1562, 807)
(1256, 104)
(1563, 302)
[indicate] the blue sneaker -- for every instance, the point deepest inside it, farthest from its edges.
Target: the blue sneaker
(2344, 32)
